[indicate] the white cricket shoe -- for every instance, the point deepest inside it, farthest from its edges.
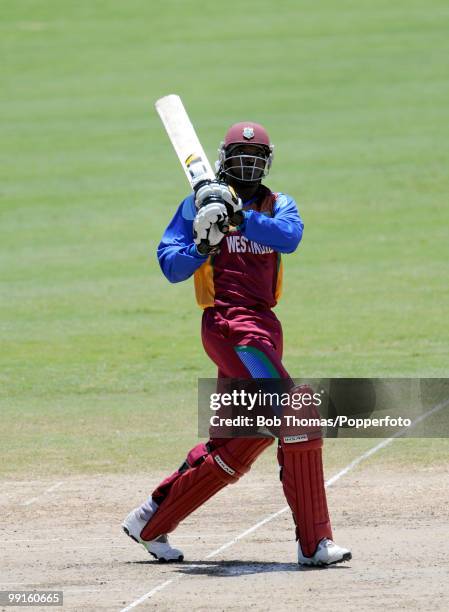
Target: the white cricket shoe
(327, 553)
(159, 548)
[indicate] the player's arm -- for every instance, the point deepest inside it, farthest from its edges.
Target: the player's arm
(282, 232)
(191, 236)
(177, 253)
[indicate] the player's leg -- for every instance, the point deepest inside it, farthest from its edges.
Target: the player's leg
(209, 468)
(257, 345)
(244, 343)
(198, 481)
(243, 353)
(138, 518)
(301, 470)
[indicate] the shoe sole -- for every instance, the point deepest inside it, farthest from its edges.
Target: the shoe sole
(126, 530)
(346, 557)
(160, 559)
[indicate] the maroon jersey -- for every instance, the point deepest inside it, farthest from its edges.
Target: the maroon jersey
(244, 273)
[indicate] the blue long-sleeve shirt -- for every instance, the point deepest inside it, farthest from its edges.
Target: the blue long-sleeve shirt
(177, 253)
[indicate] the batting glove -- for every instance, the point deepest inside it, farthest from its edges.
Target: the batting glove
(218, 191)
(209, 227)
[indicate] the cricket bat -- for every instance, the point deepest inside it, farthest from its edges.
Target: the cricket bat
(184, 139)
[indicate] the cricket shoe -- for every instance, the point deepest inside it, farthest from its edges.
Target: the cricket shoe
(327, 553)
(160, 547)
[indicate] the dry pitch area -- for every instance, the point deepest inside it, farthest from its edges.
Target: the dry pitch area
(70, 539)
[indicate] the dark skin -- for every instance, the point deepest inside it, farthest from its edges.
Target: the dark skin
(245, 189)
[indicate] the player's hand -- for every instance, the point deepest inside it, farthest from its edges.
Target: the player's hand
(218, 191)
(209, 227)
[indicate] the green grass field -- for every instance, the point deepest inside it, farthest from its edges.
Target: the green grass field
(99, 353)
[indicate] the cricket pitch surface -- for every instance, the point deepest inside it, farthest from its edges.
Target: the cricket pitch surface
(66, 535)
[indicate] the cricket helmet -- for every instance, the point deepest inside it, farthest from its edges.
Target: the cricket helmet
(246, 153)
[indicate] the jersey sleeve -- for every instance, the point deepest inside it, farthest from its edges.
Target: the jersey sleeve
(177, 253)
(282, 232)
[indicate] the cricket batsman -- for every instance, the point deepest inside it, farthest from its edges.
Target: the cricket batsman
(230, 234)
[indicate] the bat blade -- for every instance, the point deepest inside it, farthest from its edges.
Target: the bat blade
(184, 139)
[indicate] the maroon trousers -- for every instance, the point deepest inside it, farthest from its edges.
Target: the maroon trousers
(245, 343)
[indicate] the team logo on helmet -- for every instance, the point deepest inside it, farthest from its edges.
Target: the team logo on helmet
(248, 133)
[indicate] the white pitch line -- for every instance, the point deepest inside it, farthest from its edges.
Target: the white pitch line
(49, 490)
(386, 442)
(149, 594)
(269, 518)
